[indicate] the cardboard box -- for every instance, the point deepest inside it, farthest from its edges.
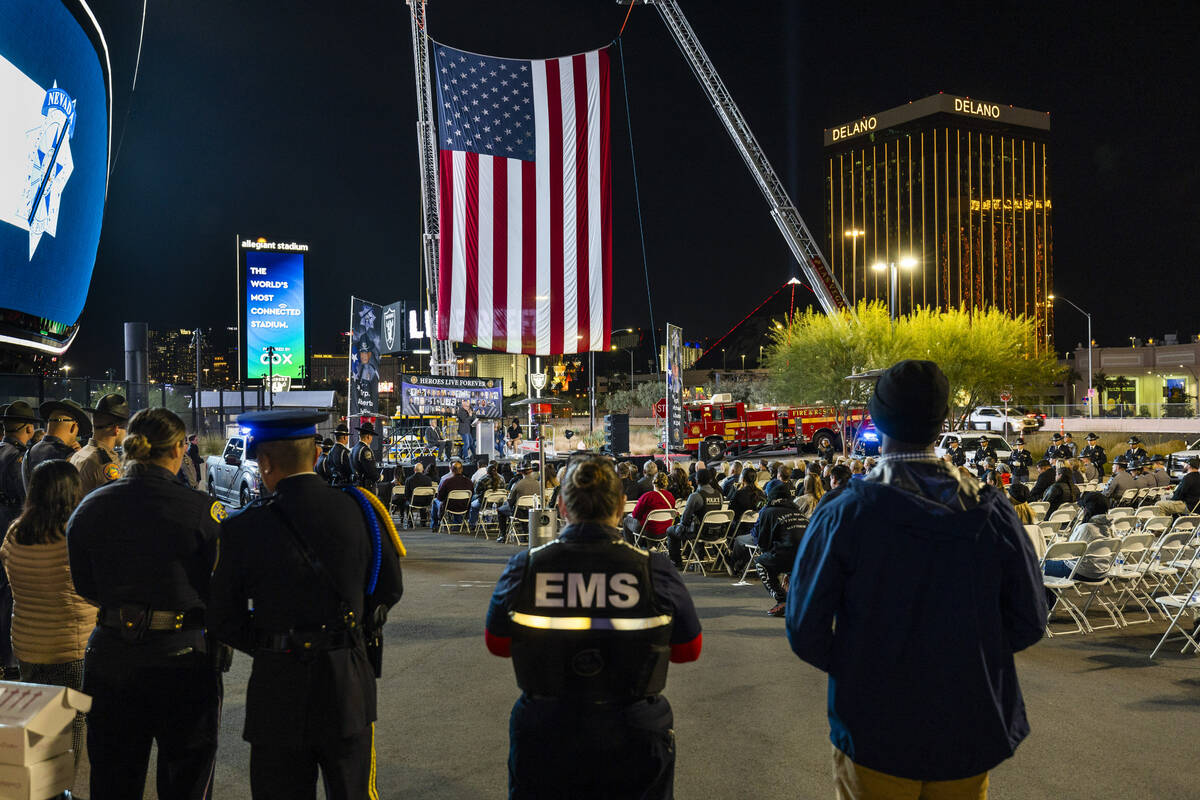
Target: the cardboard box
(38, 781)
(35, 720)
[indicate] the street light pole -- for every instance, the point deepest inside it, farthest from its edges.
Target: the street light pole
(1052, 298)
(894, 282)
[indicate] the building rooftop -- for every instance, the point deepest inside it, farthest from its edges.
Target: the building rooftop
(968, 107)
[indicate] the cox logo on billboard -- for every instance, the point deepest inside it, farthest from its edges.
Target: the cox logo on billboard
(275, 359)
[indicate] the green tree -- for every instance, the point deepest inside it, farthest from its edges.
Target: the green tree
(981, 352)
(640, 398)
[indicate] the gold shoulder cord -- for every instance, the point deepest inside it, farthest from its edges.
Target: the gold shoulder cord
(386, 519)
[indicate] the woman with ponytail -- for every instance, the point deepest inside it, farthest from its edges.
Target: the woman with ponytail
(590, 623)
(142, 549)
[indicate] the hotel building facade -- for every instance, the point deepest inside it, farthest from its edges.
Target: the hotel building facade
(958, 185)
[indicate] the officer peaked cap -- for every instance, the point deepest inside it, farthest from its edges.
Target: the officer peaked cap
(113, 406)
(1056, 437)
(71, 409)
(1091, 437)
(275, 426)
(341, 430)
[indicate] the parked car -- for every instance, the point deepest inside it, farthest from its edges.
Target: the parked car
(233, 478)
(1000, 420)
(969, 442)
(1037, 415)
(1177, 461)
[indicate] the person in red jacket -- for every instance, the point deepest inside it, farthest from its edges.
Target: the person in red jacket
(656, 499)
(590, 624)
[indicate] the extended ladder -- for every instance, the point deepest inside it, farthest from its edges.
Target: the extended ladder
(441, 359)
(783, 211)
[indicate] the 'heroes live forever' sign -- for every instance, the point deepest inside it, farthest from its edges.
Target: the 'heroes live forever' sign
(274, 314)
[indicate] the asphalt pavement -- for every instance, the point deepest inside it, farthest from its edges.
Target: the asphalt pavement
(749, 717)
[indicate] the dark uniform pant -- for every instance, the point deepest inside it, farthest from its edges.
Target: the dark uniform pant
(133, 705)
(347, 769)
(559, 749)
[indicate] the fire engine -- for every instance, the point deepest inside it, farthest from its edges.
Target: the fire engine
(719, 426)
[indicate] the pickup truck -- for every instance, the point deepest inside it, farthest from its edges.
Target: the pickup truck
(233, 478)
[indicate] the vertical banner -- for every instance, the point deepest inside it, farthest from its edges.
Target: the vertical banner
(395, 328)
(364, 358)
(674, 367)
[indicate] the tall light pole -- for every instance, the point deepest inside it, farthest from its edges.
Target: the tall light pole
(853, 234)
(722, 359)
(743, 362)
(894, 282)
(1052, 298)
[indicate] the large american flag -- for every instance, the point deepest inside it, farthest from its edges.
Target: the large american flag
(526, 220)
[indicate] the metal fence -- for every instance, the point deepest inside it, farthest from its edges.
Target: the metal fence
(1123, 410)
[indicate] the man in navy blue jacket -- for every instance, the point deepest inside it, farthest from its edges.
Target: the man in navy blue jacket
(912, 589)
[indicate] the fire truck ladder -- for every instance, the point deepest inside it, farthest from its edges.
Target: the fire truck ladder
(805, 249)
(441, 359)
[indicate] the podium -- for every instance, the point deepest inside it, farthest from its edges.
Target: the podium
(485, 438)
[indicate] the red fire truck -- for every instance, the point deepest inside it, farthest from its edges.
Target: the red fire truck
(720, 426)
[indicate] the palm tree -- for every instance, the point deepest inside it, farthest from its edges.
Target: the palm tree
(1102, 383)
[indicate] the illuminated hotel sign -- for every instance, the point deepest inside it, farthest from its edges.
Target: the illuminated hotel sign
(938, 104)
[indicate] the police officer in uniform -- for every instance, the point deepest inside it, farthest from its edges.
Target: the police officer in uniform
(590, 623)
(1056, 450)
(706, 498)
(1120, 482)
(18, 420)
(362, 459)
(1095, 452)
(66, 423)
(322, 468)
(1020, 460)
(338, 460)
(958, 456)
(289, 589)
(1136, 453)
(983, 451)
(98, 462)
(142, 549)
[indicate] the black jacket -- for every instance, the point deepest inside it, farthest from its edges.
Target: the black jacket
(1188, 490)
(1041, 484)
(145, 540)
(330, 692)
(12, 486)
(780, 529)
(1060, 492)
(50, 447)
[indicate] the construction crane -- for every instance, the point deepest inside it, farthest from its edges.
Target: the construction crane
(803, 246)
(441, 358)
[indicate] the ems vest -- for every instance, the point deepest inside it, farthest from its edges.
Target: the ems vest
(586, 625)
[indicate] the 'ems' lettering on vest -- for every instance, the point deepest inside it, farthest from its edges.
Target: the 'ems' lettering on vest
(585, 592)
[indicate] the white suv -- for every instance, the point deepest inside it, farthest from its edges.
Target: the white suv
(995, 419)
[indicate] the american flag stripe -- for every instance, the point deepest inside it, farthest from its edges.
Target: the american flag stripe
(526, 237)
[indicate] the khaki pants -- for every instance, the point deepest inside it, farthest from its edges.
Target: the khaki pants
(855, 782)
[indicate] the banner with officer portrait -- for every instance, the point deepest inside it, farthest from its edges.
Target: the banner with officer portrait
(365, 329)
(674, 370)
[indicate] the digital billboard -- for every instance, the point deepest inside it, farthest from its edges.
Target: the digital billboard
(273, 294)
(438, 395)
(55, 125)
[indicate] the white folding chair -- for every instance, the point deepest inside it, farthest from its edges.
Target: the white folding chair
(456, 512)
(1034, 532)
(1062, 551)
(1126, 575)
(754, 552)
(1061, 517)
(1157, 525)
(709, 546)
(489, 513)
(1176, 602)
(1156, 568)
(1098, 549)
(1114, 513)
(518, 523)
(421, 501)
(1128, 497)
(629, 506)
(652, 541)
(1040, 507)
(1185, 523)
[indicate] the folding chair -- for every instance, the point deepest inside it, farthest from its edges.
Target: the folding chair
(754, 551)
(1126, 575)
(1062, 517)
(1156, 525)
(1127, 497)
(651, 541)
(422, 501)
(456, 512)
(489, 513)
(1176, 602)
(1157, 569)
(1185, 523)
(1098, 548)
(629, 506)
(1060, 551)
(709, 545)
(1141, 515)
(1122, 525)
(1040, 507)
(519, 518)
(1037, 539)
(747, 522)
(1114, 513)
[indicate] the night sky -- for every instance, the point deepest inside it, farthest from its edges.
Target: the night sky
(296, 121)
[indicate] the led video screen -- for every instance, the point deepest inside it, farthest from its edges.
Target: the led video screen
(274, 294)
(54, 152)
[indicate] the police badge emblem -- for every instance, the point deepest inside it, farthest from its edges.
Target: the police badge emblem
(112, 471)
(49, 165)
(389, 328)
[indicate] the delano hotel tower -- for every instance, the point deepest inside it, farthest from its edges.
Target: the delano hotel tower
(959, 185)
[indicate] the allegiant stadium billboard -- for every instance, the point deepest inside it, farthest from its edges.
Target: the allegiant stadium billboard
(55, 128)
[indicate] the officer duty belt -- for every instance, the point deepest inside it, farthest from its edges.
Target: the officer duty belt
(159, 620)
(307, 642)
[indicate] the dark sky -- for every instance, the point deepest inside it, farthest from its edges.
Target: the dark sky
(297, 121)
